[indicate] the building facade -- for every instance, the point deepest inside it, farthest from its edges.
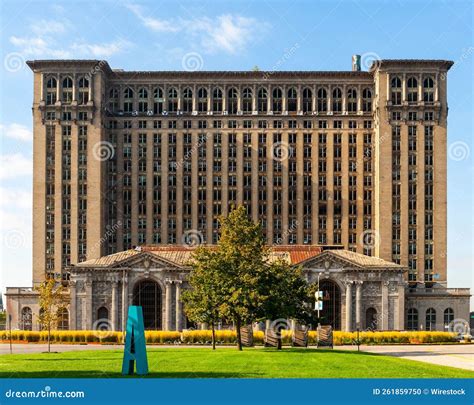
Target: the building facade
(349, 158)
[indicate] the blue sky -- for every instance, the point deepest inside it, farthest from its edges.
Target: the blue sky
(218, 35)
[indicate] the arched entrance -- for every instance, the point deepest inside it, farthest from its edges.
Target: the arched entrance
(371, 319)
(147, 294)
(331, 312)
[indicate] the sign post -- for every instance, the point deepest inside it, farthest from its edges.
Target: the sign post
(135, 343)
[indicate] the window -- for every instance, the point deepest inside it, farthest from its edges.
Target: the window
(187, 100)
(63, 319)
(83, 97)
(396, 91)
(247, 100)
(262, 100)
(232, 101)
(51, 86)
(128, 100)
(352, 100)
(448, 317)
(202, 100)
(292, 99)
(172, 100)
(217, 100)
(412, 316)
(67, 90)
(366, 100)
(322, 100)
(337, 100)
(142, 100)
(430, 319)
(103, 315)
(157, 100)
(307, 100)
(26, 321)
(412, 85)
(428, 90)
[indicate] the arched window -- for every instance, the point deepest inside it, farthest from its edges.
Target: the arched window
(412, 318)
(337, 100)
(103, 314)
(63, 319)
(142, 100)
(430, 319)
(322, 100)
(172, 100)
(396, 91)
(428, 90)
(128, 100)
(202, 99)
(277, 100)
(262, 100)
(352, 100)
(26, 320)
(247, 100)
(307, 100)
(113, 99)
(51, 87)
(448, 317)
(157, 100)
(187, 100)
(217, 100)
(292, 99)
(83, 87)
(232, 101)
(366, 100)
(67, 90)
(412, 85)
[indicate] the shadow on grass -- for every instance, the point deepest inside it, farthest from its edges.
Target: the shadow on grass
(101, 374)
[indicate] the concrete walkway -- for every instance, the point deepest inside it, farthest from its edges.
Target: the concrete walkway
(456, 355)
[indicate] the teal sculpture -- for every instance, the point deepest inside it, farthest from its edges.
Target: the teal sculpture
(135, 343)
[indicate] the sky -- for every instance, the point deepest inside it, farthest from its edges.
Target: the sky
(224, 35)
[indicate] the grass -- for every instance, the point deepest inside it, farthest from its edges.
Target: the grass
(225, 363)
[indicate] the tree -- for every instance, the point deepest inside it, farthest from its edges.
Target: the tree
(202, 301)
(51, 304)
(243, 257)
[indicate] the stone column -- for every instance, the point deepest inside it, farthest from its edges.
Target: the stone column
(168, 303)
(88, 315)
(124, 301)
(348, 306)
(358, 303)
(179, 307)
(114, 314)
(401, 307)
(384, 325)
(72, 305)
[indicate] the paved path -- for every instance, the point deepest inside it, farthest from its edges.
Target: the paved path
(459, 355)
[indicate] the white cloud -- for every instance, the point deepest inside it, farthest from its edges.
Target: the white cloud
(16, 131)
(227, 33)
(15, 198)
(42, 27)
(39, 46)
(15, 165)
(104, 50)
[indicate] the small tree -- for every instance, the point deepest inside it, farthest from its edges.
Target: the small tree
(51, 303)
(202, 301)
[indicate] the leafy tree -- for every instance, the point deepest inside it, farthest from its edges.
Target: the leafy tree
(202, 300)
(51, 304)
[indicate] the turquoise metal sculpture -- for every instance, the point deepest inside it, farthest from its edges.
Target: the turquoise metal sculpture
(135, 343)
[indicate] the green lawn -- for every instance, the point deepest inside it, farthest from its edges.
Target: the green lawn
(225, 363)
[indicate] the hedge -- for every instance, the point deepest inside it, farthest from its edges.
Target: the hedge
(203, 337)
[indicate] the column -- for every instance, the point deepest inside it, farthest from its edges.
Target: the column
(401, 307)
(358, 303)
(179, 307)
(385, 308)
(88, 315)
(72, 305)
(168, 308)
(124, 301)
(348, 306)
(114, 306)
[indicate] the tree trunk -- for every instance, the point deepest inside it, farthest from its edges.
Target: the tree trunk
(213, 335)
(49, 339)
(239, 338)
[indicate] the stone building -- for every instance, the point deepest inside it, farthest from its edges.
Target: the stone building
(353, 159)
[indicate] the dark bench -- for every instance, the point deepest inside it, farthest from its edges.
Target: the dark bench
(325, 336)
(300, 338)
(246, 335)
(272, 339)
